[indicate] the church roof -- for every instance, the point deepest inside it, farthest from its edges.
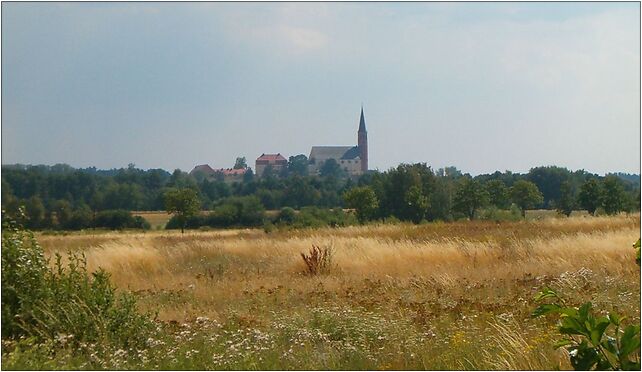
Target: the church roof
(334, 152)
(353, 153)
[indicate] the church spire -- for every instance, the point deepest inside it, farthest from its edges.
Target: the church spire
(362, 144)
(362, 122)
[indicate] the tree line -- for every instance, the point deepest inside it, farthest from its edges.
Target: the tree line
(62, 197)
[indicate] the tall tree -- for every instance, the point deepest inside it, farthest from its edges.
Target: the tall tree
(417, 203)
(614, 199)
(566, 202)
(240, 163)
(330, 168)
(298, 164)
(183, 203)
(526, 195)
(498, 194)
(590, 195)
(363, 200)
(469, 197)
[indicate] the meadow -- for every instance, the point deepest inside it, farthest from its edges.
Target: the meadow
(395, 296)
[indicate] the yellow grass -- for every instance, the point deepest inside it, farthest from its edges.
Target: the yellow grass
(470, 283)
(217, 266)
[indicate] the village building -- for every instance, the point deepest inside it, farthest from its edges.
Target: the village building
(276, 161)
(352, 159)
(227, 175)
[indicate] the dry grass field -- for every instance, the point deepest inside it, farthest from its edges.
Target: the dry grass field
(434, 296)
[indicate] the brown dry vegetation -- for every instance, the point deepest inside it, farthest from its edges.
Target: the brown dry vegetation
(469, 285)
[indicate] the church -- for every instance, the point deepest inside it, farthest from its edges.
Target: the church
(352, 159)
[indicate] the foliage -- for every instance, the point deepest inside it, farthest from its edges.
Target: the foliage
(181, 202)
(116, 219)
(240, 163)
(417, 204)
(526, 195)
(70, 195)
(404, 191)
(469, 197)
(549, 182)
(330, 168)
(319, 260)
(298, 165)
(64, 301)
(566, 202)
(498, 194)
(593, 341)
(287, 215)
(495, 214)
(590, 195)
(363, 200)
(613, 198)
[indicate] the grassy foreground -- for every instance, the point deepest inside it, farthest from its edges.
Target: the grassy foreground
(435, 296)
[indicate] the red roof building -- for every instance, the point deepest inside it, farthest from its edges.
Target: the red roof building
(276, 161)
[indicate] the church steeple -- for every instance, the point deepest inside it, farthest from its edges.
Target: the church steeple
(362, 138)
(362, 122)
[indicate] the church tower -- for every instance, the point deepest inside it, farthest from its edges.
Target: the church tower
(362, 137)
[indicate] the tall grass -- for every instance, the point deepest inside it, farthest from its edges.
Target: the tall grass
(457, 295)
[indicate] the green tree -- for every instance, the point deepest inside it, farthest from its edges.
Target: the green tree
(441, 199)
(62, 211)
(363, 200)
(35, 212)
(240, 163)
(566, 202)
(498, 194)
(613, 199)
(298, 164)
(417, 203)
(287, 215)
(330, 168)
(248, 176)
(469, 197)
(549, 180)
(526, 195)
(183, 203)
(590, 195)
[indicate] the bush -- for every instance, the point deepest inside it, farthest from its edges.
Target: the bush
(45, 303)
(593, 341)
(495, 214)
(80, 219)
(316, 217)
(119, 219)
(319, 261)
(287, 216)
(191, 222)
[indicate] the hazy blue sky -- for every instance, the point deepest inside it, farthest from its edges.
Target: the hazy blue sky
(482, 87)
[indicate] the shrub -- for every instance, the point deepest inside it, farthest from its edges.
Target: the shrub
(494, 214)
(45, 303)
(591, 340)
(119, 219)
(287, 216)
(190, 222)
(80, 219)
(319, 261)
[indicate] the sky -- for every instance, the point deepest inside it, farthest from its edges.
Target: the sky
(479, 86)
